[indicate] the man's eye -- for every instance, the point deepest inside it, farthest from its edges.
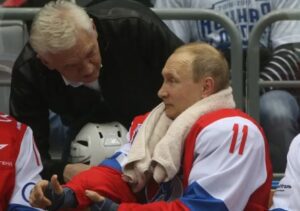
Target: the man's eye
(92, 53)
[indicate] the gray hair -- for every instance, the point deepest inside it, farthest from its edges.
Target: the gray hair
(56, 26)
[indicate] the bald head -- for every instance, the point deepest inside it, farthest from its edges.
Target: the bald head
(207, 61)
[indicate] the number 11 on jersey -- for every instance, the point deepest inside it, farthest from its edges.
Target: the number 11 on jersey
(235, 129)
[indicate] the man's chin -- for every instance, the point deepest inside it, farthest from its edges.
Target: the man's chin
(89, 79)
(169, 114)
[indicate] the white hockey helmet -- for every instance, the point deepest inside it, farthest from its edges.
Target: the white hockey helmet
(95, 142)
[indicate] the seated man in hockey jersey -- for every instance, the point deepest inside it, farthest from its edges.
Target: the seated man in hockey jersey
(286, 196)
(20, 164)
(194, 151)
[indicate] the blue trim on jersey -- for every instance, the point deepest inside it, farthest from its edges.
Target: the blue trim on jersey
(196, 198)
(24, 189)
(19, 207)
(275, 184)
(112, 162)
(278, 209)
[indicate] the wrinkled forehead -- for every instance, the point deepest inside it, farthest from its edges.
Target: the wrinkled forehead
(85, 42)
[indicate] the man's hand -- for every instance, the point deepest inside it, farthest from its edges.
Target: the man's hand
(101, 203)
(40, 192)
(73, 169)
(94, 196)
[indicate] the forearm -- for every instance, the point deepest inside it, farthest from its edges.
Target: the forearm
(65, 200)
(283, 65)
(105, 205)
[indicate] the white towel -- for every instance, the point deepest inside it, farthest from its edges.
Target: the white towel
(158, 146)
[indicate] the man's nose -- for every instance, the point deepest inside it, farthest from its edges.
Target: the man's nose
(162, 92)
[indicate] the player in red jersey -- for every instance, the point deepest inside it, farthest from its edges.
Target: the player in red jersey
(20, 164)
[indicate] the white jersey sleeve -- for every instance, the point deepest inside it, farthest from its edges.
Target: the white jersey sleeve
(28, 166)
(229, 166)
(284, 32)
(287, 194)
(118, 159)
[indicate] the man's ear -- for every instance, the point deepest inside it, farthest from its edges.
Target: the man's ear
(45, 62)
(208, 86)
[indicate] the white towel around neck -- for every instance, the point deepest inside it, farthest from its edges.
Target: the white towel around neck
(158, 146)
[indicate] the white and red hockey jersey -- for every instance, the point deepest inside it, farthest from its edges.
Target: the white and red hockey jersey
(20, 164)
(225, 166)
(287, 194)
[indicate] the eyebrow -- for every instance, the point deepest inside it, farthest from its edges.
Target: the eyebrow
(169, 73)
